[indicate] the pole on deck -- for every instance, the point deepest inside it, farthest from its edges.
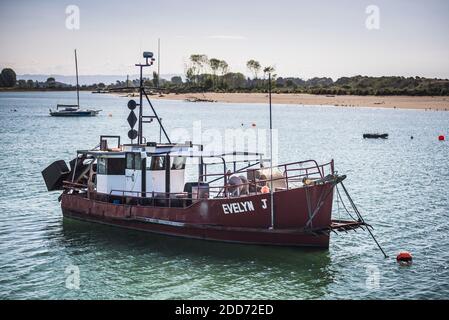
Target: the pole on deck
(271, 153)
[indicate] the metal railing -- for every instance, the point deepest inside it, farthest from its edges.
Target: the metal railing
(293, 175)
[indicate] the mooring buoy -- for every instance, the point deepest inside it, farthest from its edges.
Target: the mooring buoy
(404, 258)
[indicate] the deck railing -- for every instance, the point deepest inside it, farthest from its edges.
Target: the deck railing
(288, 176)
(294, 175)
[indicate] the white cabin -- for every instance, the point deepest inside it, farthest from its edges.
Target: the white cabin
(141, 171)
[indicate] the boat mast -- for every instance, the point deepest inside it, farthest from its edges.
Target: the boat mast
(77, 84)
(149, 60)
(158, 61)
(271, 153)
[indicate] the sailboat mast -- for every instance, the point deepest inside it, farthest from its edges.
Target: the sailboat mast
(77, 84)
(158, 61)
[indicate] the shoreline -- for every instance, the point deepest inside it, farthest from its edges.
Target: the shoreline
(440, 103)
(390, 102)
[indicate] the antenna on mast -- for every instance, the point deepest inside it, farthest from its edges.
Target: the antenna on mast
(133, 134)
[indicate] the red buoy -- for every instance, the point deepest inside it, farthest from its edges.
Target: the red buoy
(441, 138)
(404, 258)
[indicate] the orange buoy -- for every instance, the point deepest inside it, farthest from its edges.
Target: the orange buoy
(265, 189)
(441, 138)
(404, 258)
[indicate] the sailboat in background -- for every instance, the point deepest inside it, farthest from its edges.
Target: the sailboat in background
(73, 110)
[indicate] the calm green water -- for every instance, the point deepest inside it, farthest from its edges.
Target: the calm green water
(400, 185)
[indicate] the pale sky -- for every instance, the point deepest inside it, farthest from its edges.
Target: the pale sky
(300, 38)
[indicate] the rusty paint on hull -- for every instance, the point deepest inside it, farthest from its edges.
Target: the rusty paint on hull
(242, 220)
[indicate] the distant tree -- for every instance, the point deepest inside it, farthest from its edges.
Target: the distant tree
(177, 80)
(224, 69)
(22, 84)
(51, 82)
(8, 78)
(289, 83)
(266, 70)
(254, 67)
(208, 83)
(343, 81)
(234, 80)
(198, 64)
(214, 66)
(190, 74)
(155, 79)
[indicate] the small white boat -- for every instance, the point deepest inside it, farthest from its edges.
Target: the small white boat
(67, 110)
(73, 110)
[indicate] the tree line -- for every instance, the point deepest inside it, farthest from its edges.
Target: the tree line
(204, 74)
(214, 75)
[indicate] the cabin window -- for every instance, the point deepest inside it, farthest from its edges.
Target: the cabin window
(129, 161)
(102, 166)
(137, 161)
(157, 163)
(178, 163)
(116, 166)
(133, 161)
(111, 166)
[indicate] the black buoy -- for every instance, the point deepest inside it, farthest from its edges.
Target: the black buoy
(375, 136)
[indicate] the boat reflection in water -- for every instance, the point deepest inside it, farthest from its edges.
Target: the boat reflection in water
(166, 266)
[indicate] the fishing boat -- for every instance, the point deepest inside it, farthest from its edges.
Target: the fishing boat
(238, 196)
(73, 110)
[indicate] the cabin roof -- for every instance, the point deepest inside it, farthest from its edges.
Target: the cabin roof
(174, 153)
(195, 154)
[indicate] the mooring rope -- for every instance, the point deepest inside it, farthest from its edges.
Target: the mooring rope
(357, 212)
(343, 203)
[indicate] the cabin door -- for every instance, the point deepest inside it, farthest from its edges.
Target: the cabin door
(133, 174)
(156, 174)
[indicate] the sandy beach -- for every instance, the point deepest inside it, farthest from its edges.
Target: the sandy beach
(400, 102)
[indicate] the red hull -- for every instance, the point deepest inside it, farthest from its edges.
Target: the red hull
(241, 220)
